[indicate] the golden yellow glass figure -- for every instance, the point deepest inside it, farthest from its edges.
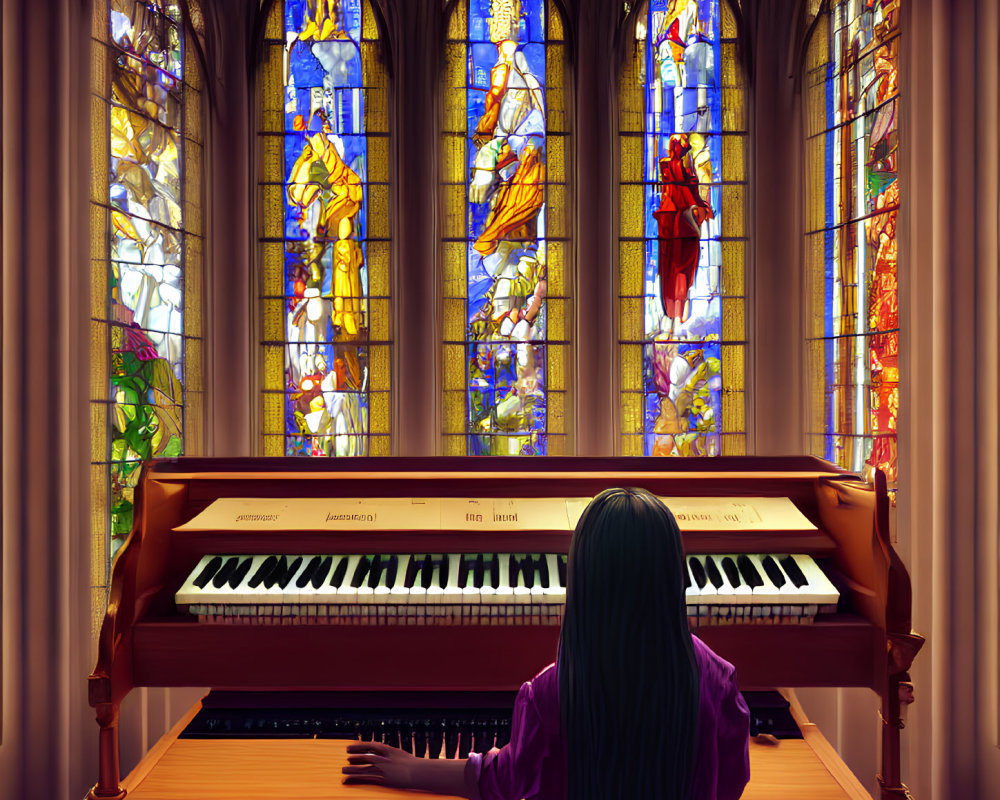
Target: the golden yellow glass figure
(347, 261)
(320, 172)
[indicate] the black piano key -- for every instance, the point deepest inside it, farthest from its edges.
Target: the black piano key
(240, 572)
(321, 572)
(406, 737)
(339, 573)
(561, 564)
(206, 574)
(420, 738)
(276, 574)
(484, 737)
(360, 572)
(266, 568)
(223, 574)
(478, 571)
(495, 571)
(733, 574)
(435, 738)
(293, 567)
(698, 571)
(712, 569)
(463, 571)
(513, 568)
(749, 572)
(528, 571)
(451, 736)
(390, 733)
(445, 566)
(503, 733)
(411, 572)
(427, 572)
(307, 573)
(375, 571)
(391, 569)
(465, 741)
(773, 571)
(543, 571)
(795, 575)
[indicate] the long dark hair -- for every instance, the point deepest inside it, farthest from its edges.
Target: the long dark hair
(628, 679)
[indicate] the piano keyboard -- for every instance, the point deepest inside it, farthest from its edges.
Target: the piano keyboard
(479, 588)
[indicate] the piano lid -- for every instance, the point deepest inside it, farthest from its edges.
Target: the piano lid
(693, 514)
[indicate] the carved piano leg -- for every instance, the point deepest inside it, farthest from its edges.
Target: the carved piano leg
(109, 779)
(898, 696)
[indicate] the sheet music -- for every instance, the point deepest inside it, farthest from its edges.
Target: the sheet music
(479, 514)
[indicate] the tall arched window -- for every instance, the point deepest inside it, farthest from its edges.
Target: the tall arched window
(146, 254)
(504, 247)
(852, 202)
(323, 223)
(682, 245)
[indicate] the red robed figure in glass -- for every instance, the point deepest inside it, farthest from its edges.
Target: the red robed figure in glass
(680, 215)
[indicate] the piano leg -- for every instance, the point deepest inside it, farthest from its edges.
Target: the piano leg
(890, 785)
(109, 780)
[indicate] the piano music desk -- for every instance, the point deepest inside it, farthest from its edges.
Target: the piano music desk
(309, 769)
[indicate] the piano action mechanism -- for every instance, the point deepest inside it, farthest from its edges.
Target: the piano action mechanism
(408, 581)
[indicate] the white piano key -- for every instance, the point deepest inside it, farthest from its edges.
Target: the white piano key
(522, 594)
(397, 592)
(769, 592)
(555, 593)
(819, 589)
(537, 590)
(347, 594)
(727, 590)
(365, 593)
(383, 589)
(189, 594)
(471, 593)
(708, 590)
(435, 611)
(488, 594)
(691, 593)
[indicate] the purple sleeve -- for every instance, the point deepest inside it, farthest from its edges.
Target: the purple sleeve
(733, 743)
(514, 770)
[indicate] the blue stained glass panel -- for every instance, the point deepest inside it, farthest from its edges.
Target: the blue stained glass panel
(326, 198)
(505, 228)
(682, 170)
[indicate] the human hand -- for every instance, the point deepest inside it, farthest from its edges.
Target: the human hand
(379, 764)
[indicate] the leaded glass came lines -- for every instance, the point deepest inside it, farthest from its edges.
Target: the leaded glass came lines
(146, 251)
(852, 154)
(504, 230)
(682, 327)
(325, 205)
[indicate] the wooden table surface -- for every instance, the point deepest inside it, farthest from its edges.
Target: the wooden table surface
(309, 769)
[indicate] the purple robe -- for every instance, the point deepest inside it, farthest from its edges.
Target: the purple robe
(533, 764)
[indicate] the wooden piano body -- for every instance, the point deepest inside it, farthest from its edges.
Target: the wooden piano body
(144, 641)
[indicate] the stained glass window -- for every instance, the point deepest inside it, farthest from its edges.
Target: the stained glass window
(504, 232)
(852, 205)
(146, 254)
(681, 321)
(324, 232)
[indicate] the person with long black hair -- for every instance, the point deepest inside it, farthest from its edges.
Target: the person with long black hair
(635, 707)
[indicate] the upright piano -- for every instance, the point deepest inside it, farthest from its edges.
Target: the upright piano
(443, 579)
